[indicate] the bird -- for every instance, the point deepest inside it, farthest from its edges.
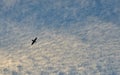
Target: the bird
(33, 41)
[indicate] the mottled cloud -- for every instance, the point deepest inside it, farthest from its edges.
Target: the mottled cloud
(61, 51)
(72, 38)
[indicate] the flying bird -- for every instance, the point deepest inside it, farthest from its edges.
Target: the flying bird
(33, 41)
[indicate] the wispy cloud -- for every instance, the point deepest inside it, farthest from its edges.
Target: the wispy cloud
(9, 3)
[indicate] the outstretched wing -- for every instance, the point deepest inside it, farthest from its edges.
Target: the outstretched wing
(32, 42)
(35, 39)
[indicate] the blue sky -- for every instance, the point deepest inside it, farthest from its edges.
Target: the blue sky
(60, 11)
(71, 33)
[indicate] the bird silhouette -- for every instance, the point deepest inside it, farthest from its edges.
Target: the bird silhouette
(33, 41)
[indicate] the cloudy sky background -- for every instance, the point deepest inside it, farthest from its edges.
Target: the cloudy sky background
(75, 37)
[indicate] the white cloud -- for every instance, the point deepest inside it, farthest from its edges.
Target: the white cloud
(61, 52)
(91, 49)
